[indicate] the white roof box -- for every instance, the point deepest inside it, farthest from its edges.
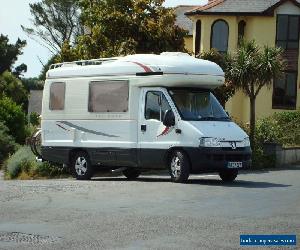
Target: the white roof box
(181, 65)
(176, 63)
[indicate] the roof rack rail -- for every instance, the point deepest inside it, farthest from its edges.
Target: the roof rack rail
(83, 62)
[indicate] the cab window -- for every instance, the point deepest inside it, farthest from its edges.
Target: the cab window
(156, 105)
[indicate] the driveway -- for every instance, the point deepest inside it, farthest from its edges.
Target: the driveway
(151, 213)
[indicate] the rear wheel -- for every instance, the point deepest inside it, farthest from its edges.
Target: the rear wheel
(179, 167)
(81, 166)
(131, 173)
(228, 175)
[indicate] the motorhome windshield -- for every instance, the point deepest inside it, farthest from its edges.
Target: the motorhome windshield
(196, 105)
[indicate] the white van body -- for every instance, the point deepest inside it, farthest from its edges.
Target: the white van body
(107, 110)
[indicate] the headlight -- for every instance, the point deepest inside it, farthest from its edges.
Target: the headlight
(209, 142)
(246, 142)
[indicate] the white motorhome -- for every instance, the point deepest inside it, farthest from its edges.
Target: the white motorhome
(140, 112)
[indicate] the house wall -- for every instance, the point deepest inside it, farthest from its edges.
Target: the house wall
(263, 30)
(188, 43)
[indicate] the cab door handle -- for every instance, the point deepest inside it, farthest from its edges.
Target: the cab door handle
(143, 127)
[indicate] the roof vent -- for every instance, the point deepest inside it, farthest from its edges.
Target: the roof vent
(174, 54)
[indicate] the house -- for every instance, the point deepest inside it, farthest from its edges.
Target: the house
(221, 23)
(186, 23)
(35, 101)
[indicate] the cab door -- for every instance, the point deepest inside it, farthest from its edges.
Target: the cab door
(154, 139)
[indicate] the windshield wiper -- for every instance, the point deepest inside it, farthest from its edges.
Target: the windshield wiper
(224, 118)
(214, 118)
(208, 118)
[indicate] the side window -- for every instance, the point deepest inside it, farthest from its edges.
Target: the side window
(57, 96)
(156, 105)
(108, 96)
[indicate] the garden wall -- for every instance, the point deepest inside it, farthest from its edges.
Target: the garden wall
(283, 156)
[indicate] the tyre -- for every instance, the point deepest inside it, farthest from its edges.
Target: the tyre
(131, 173)
(179, 167)
(228, 175)
(81, 166)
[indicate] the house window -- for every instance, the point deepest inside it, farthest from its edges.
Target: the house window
(287, 37)
(288, 31)
(57, 96)
(219, 36)
(241, 31)
(108, 96)
(285, 91)
(198, 37)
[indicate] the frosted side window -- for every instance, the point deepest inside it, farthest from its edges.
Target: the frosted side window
(57, 96)
(108, 96)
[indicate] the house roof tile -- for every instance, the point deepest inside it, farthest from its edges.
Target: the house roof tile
(262, 7)
(182, 20)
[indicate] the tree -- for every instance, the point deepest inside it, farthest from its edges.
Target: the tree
(253, 68)
(46, 66)
(7, 143)
(54, 21)
(32, 83)
(13, 118)
(12, 87)
(9, 53)
(116, 28)
(20, 70)
(227, 90)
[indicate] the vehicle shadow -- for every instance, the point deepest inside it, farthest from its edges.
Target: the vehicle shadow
(268, 170)
(237, 183)
(206, 182)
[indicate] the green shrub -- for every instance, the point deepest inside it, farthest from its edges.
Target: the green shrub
(48, 170)
(282, 128)
(23, 163)
(13, 165)
(7, 143)
(289, 123)
(29, 130)
(267, 130)
(260, 159)
(34, 119)
(13, 117)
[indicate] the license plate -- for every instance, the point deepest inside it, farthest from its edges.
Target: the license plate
(235, 165)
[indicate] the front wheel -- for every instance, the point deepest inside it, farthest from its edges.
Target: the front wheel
(81, 166)
(179, 167)
(228, 175)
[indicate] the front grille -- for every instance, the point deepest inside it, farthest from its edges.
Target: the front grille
(228, 157)
(234, 150)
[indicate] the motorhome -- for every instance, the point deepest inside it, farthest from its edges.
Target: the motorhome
(140, 112)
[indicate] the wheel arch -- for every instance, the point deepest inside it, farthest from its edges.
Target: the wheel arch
(74, 151)
(170, 151)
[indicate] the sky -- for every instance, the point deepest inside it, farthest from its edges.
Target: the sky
(14, 13)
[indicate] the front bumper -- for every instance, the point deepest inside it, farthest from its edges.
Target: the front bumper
(205, 159)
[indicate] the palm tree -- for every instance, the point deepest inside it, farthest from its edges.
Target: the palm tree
(227, 90)
(251, 69)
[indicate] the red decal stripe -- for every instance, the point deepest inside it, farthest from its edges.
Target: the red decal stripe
(166, 130)
(146, 68)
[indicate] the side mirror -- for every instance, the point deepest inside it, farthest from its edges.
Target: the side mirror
(169, 119)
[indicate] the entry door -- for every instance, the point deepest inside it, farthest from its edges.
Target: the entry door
(154, 138)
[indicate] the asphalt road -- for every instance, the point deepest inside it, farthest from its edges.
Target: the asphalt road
(151, 213)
